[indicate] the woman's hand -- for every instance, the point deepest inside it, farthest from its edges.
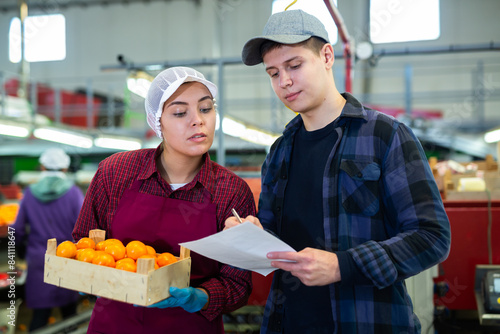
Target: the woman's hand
(190, 299)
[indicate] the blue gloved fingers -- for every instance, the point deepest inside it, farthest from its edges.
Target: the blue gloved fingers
(87, 295)
(190, 299)
(182, 295)
(168, 302)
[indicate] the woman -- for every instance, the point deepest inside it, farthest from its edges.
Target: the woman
(166, 196)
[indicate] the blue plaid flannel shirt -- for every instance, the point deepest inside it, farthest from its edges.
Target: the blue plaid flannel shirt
(382, 214)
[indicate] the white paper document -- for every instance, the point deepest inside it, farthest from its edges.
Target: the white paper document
(244, 246)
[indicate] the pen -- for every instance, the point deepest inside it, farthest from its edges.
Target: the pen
(236, 215)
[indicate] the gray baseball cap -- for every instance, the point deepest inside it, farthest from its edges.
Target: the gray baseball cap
(288, 27)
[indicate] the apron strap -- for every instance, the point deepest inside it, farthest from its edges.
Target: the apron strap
(136, 185)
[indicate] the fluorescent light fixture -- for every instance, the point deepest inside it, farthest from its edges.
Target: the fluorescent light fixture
(14, 129)
(237, 129)
(492, 136)
(119, 143)
(139, 82)
(259, 137)
(64, 137)
(232, 127)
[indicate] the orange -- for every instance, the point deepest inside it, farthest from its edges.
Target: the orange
(126, 264)
(85, 243)
(117, 250)
(149, 256)
(151, 250)
(135, 249)
(113, 241)
(126, 259)
(66, 249)
(104, 259)
(8, 213)
(100, 245)
(86, 255)
(78, 251)
(165, 259)
(99, 252)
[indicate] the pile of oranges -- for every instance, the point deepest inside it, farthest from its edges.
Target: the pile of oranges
(113, 253)
(8, 213)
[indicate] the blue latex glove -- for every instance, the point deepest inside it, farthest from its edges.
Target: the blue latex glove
(190, 299)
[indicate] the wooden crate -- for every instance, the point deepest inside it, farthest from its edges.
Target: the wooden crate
(145, 287)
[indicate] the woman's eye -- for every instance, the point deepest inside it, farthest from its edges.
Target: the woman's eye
(295, 66)
(206, 109)
(179, 112)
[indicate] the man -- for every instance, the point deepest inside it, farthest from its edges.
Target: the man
(349, 188)
(49, 209)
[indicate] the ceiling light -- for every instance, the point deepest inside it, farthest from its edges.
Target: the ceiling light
(258, 137)
(232, 127)
(64, 137)
(14, 129)
(119, 143)
(237, 129)
(138, 82)
(492, 136)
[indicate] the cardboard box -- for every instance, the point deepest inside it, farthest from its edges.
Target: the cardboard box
(145, 287)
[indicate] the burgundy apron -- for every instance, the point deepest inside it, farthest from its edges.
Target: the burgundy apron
(163, 223)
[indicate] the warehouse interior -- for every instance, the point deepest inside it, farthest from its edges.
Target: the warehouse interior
(445, 86)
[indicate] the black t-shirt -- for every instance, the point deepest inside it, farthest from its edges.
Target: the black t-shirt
(303, 227)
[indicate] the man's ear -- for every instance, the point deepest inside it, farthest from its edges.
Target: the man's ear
(327, 55)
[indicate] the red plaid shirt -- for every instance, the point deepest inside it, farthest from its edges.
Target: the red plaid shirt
(231, 289)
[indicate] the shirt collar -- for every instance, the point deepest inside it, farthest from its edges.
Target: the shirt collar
(150, 166)
(205, 176)
(352, 109)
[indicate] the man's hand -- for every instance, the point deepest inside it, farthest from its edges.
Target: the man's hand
(233, 221)
(313, 267)
(190, 299)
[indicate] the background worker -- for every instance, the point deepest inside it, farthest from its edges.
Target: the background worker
(48, 209)
(349, 188)
(166, 196)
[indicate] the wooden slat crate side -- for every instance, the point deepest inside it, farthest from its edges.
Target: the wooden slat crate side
(96, 280)
(160, 280)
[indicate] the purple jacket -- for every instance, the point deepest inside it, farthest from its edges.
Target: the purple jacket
(44, 220)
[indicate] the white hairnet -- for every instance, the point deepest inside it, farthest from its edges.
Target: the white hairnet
(54, 159)
(164, 85)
